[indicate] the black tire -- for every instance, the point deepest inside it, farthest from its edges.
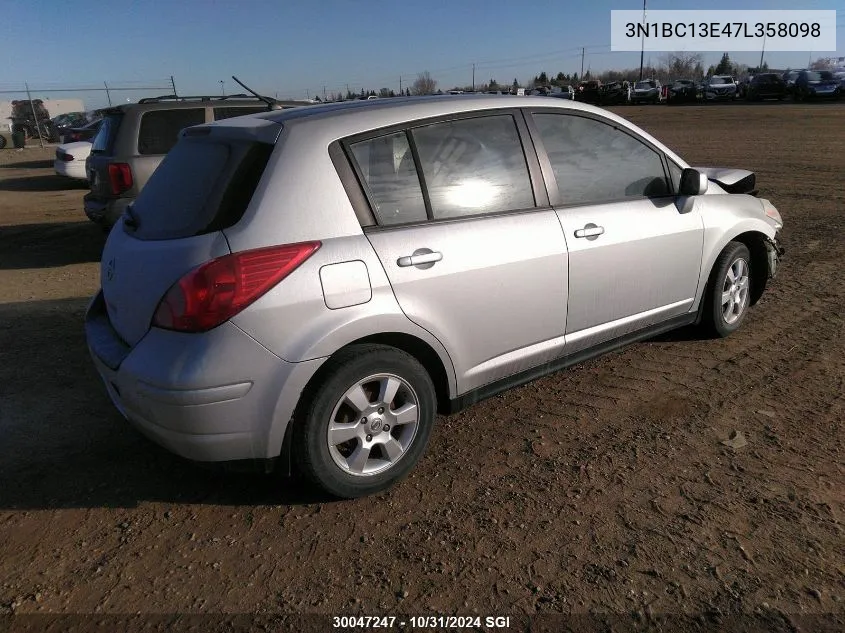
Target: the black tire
(2, 141)
(713, 316)
(312, 453)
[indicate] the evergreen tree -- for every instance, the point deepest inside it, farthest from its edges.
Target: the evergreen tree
(724, 66)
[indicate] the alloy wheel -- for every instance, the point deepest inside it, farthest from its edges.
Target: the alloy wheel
(735, 291)
(373, 425)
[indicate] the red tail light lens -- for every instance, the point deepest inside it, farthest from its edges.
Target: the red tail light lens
(216, 291)
(120, 177)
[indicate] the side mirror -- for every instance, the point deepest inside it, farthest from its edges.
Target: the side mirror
(693, 183)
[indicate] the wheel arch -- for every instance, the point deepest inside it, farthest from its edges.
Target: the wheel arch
(410, 344)
(755, 241)
(422, 351)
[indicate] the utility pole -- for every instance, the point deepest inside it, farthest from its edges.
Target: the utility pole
(400, 85)
(642, 46)
(108, 94)
(581, 76)
(347, 90)
(762, 52)
(473, 77)
(324, 94)
(173, 83)
(34, 116)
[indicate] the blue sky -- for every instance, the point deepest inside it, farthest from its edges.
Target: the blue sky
(295, 47)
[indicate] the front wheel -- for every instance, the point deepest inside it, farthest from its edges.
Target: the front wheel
(729, 290)
(367, 424)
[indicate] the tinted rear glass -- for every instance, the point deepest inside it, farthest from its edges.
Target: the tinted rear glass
(160, 128)
(104, 140)
(201, 185)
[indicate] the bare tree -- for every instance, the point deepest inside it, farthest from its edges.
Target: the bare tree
(425, 84)
(822, 63)
(680, 65)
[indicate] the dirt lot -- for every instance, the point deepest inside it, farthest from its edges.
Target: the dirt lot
(604, 489)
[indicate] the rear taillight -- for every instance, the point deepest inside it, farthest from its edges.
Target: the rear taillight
(216, 291)
(66, 157)
(120, 177)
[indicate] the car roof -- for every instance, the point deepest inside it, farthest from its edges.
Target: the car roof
(404, 109)
(169, 103)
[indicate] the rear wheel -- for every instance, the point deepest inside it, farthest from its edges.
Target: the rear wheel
(2, 141)
(367, 424)
(729, 290)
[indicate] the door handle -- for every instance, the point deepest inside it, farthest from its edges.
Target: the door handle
(590, 231)
(421, 256)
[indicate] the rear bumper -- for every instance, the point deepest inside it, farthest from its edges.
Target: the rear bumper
(104, 211)
(212, 397)
(71, 169)
(823, 95)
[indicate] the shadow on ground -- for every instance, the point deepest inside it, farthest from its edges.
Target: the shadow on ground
(50, 244)
(64, 444)
(29, 164)
(46, 182)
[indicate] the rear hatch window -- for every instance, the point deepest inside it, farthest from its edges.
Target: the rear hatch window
(202, 185)
(160, 128)
(103, 142)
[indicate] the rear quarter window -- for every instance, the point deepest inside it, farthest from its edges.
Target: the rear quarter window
(103, 142)
(160, 128)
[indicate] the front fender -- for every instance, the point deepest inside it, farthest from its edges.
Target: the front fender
(726, 217)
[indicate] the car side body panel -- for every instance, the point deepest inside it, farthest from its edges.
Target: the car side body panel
(294, 322)
(727, 216)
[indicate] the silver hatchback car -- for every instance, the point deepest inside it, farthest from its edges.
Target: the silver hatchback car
(313, 286)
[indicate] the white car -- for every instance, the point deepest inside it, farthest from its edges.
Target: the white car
(720, 88)
(70, 159)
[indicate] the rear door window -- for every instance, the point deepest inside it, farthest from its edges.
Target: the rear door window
(230, 112)
(474, 166)
(160, 128)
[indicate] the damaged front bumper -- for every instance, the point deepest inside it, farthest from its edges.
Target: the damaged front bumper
(774, 254)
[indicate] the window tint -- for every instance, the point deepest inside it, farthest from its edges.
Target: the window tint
(593, 162)
(228, 113)
(160, 128)
(201, 185)
(387, 166)
(104, 140)
(474, 166)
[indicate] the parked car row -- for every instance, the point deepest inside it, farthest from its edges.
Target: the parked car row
(801, 85)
